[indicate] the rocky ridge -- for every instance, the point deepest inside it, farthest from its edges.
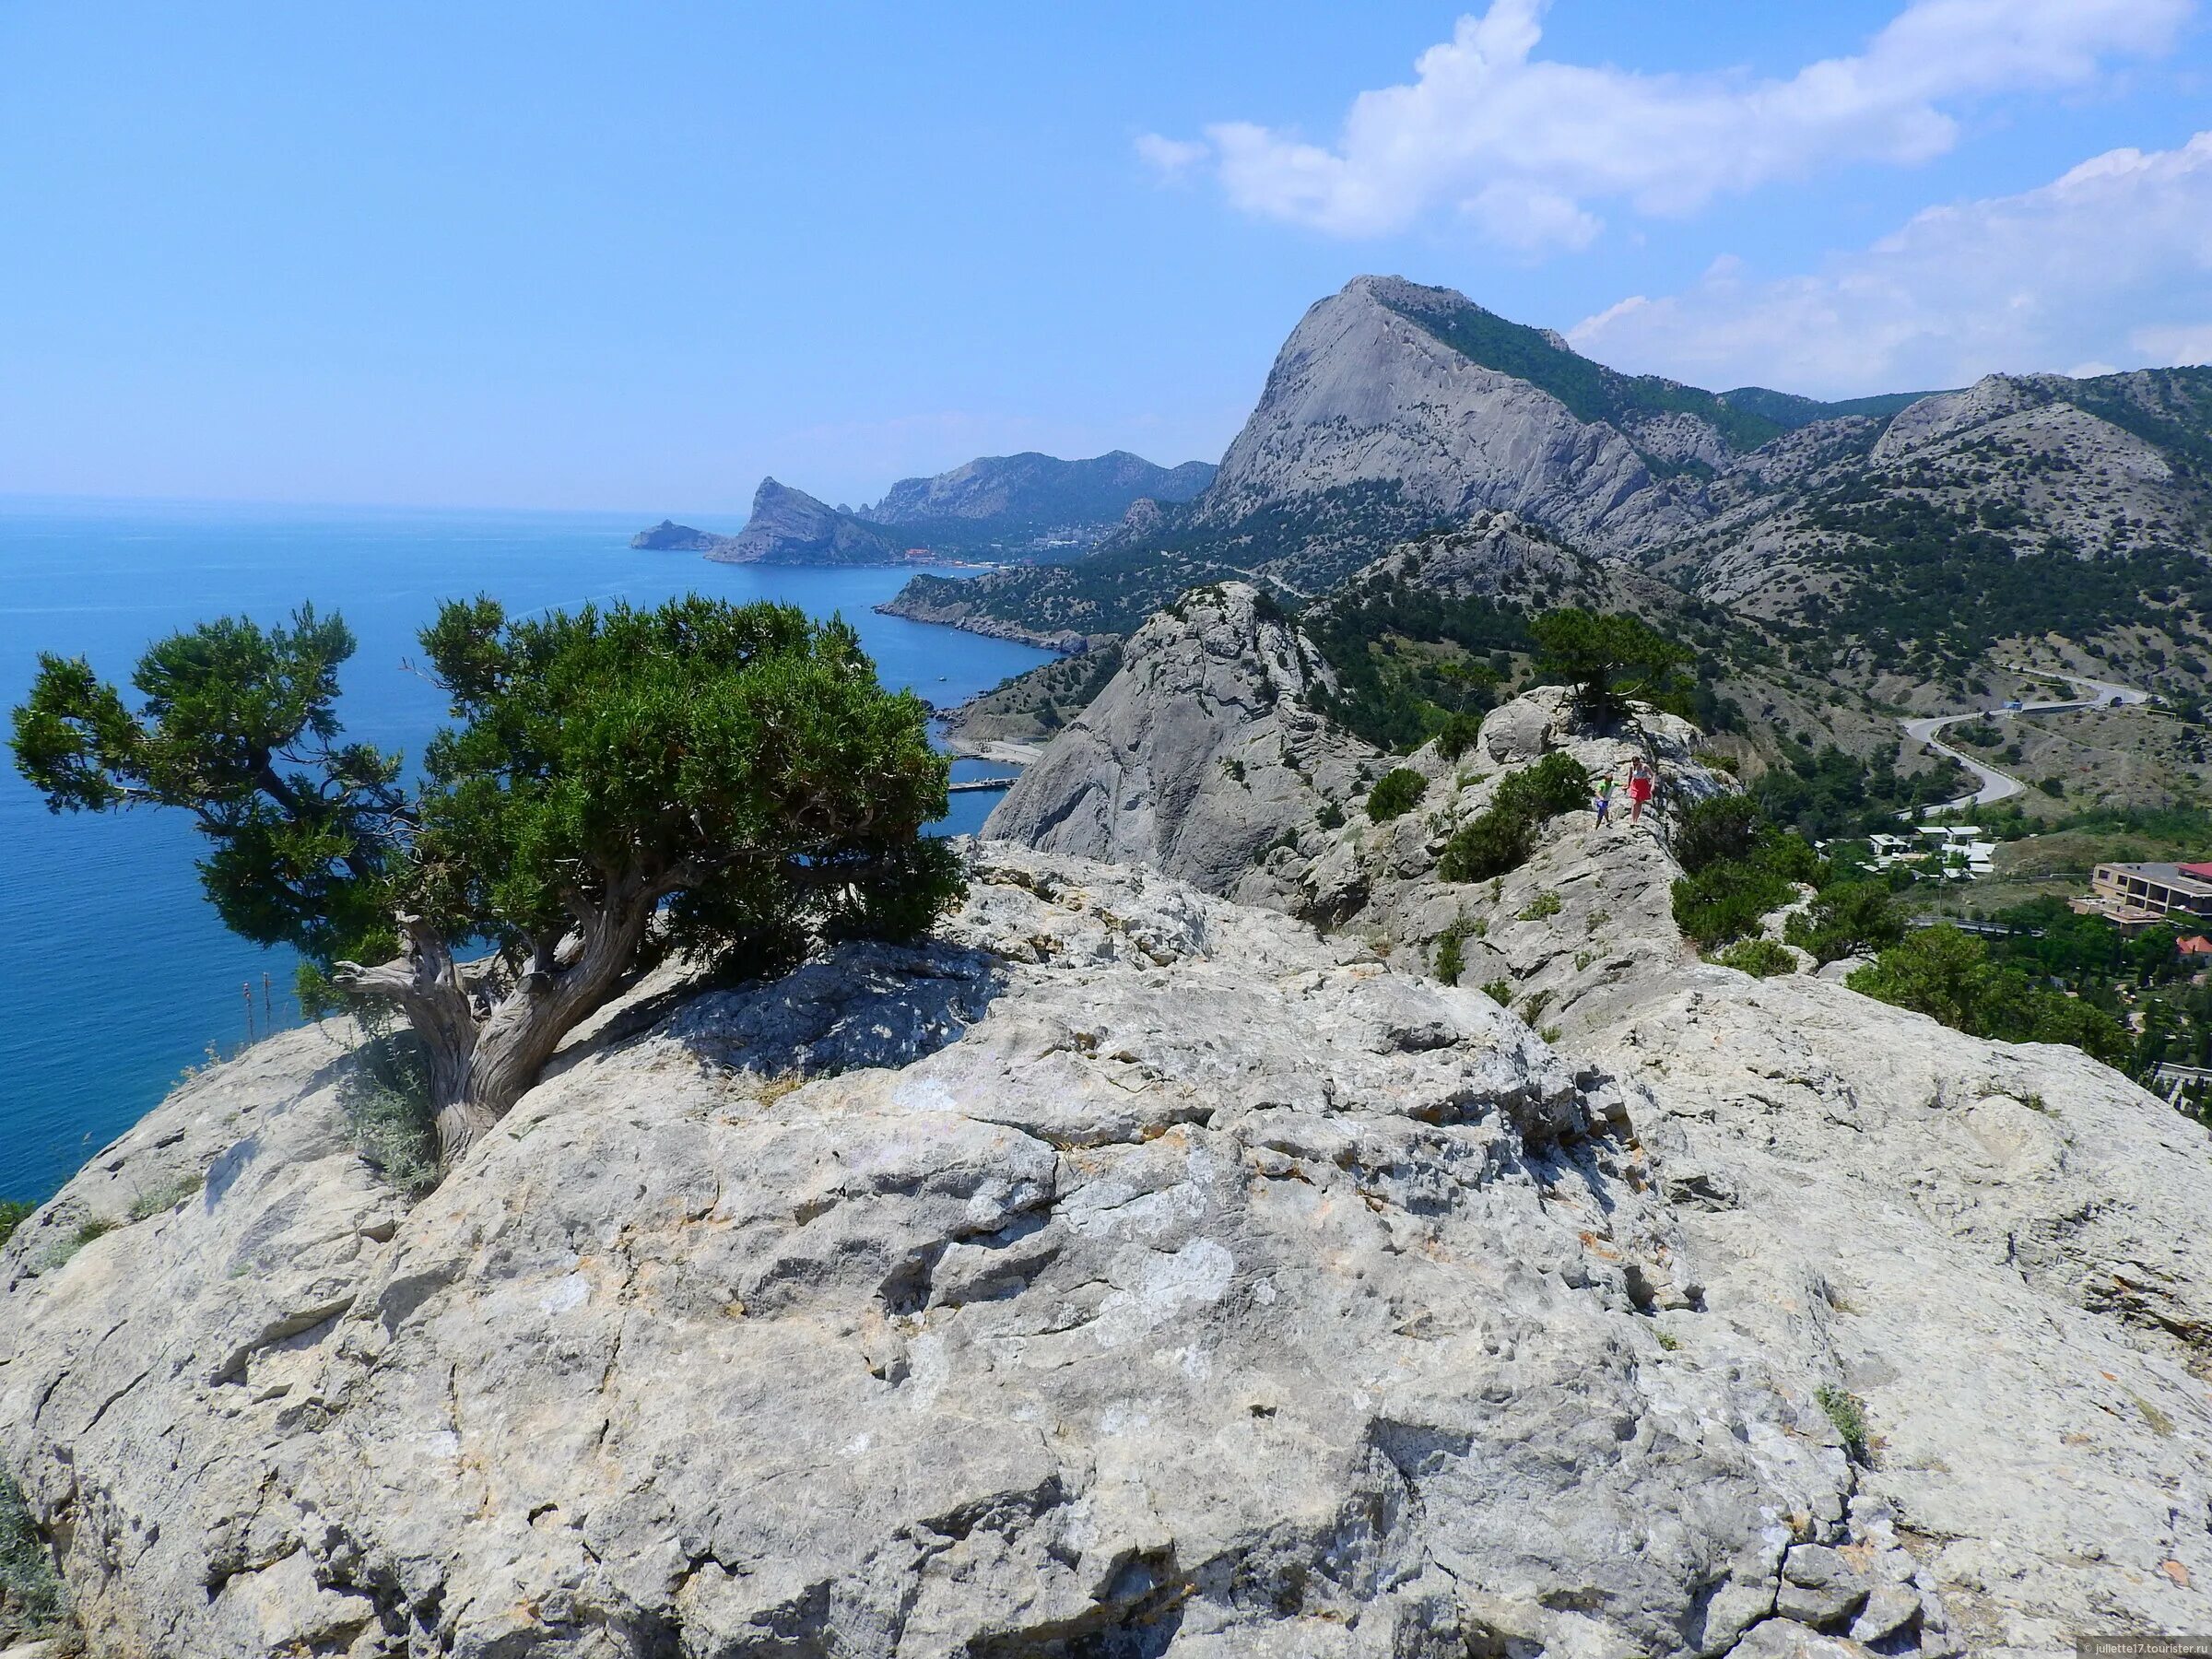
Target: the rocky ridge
(1982, 1237)
(789, 526)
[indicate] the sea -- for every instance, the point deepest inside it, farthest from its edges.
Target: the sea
(115, 976)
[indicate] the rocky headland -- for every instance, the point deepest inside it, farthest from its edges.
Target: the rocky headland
(1129, 1269)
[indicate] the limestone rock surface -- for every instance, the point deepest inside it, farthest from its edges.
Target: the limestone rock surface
(1204, 749)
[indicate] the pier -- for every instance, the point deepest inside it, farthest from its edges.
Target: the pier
(969, 784)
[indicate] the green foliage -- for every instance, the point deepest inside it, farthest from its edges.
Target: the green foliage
(1330, 817)
(1609, 659)
(1728, 898)
(1725, 825)
(1947, 974)
(1409, 661)
(1500, 991)
(385, 1092)
(12, 1214)
(1457, 735)
(237, 725)
(1500, 839)
(1761, 958)
(1946, 579)
(1489, 844)
(33, 1603)
(1591, 390)
(2054, 787)
(60, 1254)
(166, 1197)
(738, 763)
(1451, 950)
(1829, 793)
(1847, 918)
(1545, 903)
(1395, 794)
(1847, 1412)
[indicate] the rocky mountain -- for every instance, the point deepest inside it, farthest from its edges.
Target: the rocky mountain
(2074, 515)
(1026, 497)
(1897, 544)
(789, 526)
(1027, 506)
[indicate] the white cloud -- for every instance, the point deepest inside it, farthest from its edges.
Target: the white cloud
(1173, 157)
(2050, 279)
(1521, 145)
(2188, 343)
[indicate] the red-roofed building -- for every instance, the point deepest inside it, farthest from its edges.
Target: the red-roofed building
(2203, 872)
(2195, 944)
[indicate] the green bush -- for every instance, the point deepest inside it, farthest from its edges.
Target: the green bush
(1499, 840)
(1545, 903)
(1849, 918)
(32, 1602)
(1458, 735)
(1395, 794)
(385, 1094)
(167, 1195)
(1761, 958)
(1450, 951)
(1330, 817)
(1948, 976)
(1489, 845)
(1848, 1413)
(1727, 826)
(1728, 898)
(12, 1214)
(2052, 786)
(1557, 784)
(1500, 991)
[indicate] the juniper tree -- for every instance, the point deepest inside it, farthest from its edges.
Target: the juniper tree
(729, 780)
(1608, 658)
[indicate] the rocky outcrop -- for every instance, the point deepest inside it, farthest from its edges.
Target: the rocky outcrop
(1127, 1270)
(669, 536)
(1363, 395)
(1201, 752)
(789, 526)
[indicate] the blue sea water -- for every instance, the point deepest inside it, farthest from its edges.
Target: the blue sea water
(115, 974)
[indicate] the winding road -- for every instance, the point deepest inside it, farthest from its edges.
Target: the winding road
(1995, 785)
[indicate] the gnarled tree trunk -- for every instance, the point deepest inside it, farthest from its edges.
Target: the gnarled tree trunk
(483, 1059)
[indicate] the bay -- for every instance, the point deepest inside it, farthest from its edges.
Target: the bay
(115, 974)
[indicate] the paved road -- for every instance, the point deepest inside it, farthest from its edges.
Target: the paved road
(1992, 785)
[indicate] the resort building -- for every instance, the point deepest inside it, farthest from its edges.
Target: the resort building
(2133, 896)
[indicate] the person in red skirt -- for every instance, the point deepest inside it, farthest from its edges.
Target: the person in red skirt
(1640, 789)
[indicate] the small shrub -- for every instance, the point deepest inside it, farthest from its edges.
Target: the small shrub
(165, 1196)
(2050, 786)
(1489, 845)
(1582, 959)
(1761, 958)
(1532, 1008)
(1395, 794)
(32, 1602)
(1500, 991)
(59, 1256)
(385, 1094)
(12, 1214)
(1550, 1033)
(1451, 952)
(1458, 735)
(1234, 769)
(1545, 903)
(1331, 816)
(1848, 1413)
(1596, 920)
(1667, 1342)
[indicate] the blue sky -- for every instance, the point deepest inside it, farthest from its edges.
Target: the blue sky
(635, 256)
